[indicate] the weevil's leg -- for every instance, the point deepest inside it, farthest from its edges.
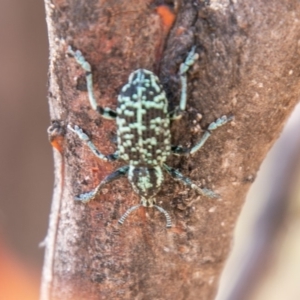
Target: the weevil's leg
(214, 125)
(86, 197)
(85, 138)
(168, 218)
(184, 67)
(178, 176)
(104, 111)
(128, 212)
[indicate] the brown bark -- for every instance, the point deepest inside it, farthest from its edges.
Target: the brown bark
(254, 264)
(248, 66)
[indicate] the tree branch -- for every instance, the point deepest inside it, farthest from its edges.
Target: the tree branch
(248, 67)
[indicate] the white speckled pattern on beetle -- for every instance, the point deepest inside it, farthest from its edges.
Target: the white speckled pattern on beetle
(143, 134)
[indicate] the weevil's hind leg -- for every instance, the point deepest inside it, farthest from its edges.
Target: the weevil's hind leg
(214, 125)
(178, 176)
(128, 212)
(184, 67)
(86, 197)
(85, 138)
(168, 218)
(104, 111)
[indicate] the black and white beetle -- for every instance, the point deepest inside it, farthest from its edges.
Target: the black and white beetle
(143, 134)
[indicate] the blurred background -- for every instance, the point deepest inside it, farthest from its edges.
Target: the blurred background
(267, 235)
(26, 170)
(26, 166)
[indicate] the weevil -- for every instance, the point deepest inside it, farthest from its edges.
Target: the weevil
(143, 134)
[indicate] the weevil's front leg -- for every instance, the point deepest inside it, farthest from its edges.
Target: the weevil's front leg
(85, 138)
(214, 125)
(103, 111)
(86, 197)
(184, 67)
(178, 176)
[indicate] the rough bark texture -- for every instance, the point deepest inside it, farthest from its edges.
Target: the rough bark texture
(249, 67)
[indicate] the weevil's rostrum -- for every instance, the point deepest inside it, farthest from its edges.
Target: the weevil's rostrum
(143, 134)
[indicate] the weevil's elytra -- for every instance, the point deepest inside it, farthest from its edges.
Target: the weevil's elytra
(143, 121)
(143, 134)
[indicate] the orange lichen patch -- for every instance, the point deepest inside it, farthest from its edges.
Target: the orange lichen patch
(56, 133)
(57, 143)
(167, 16)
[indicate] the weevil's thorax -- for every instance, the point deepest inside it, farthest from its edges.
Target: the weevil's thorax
(143, 121)
(146, 182)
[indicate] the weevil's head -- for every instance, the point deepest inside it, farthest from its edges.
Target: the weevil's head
(146, 182)
(148, 202)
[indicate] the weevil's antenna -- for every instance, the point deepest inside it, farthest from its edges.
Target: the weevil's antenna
(168, 218)
(127, 213)
(133, 208)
